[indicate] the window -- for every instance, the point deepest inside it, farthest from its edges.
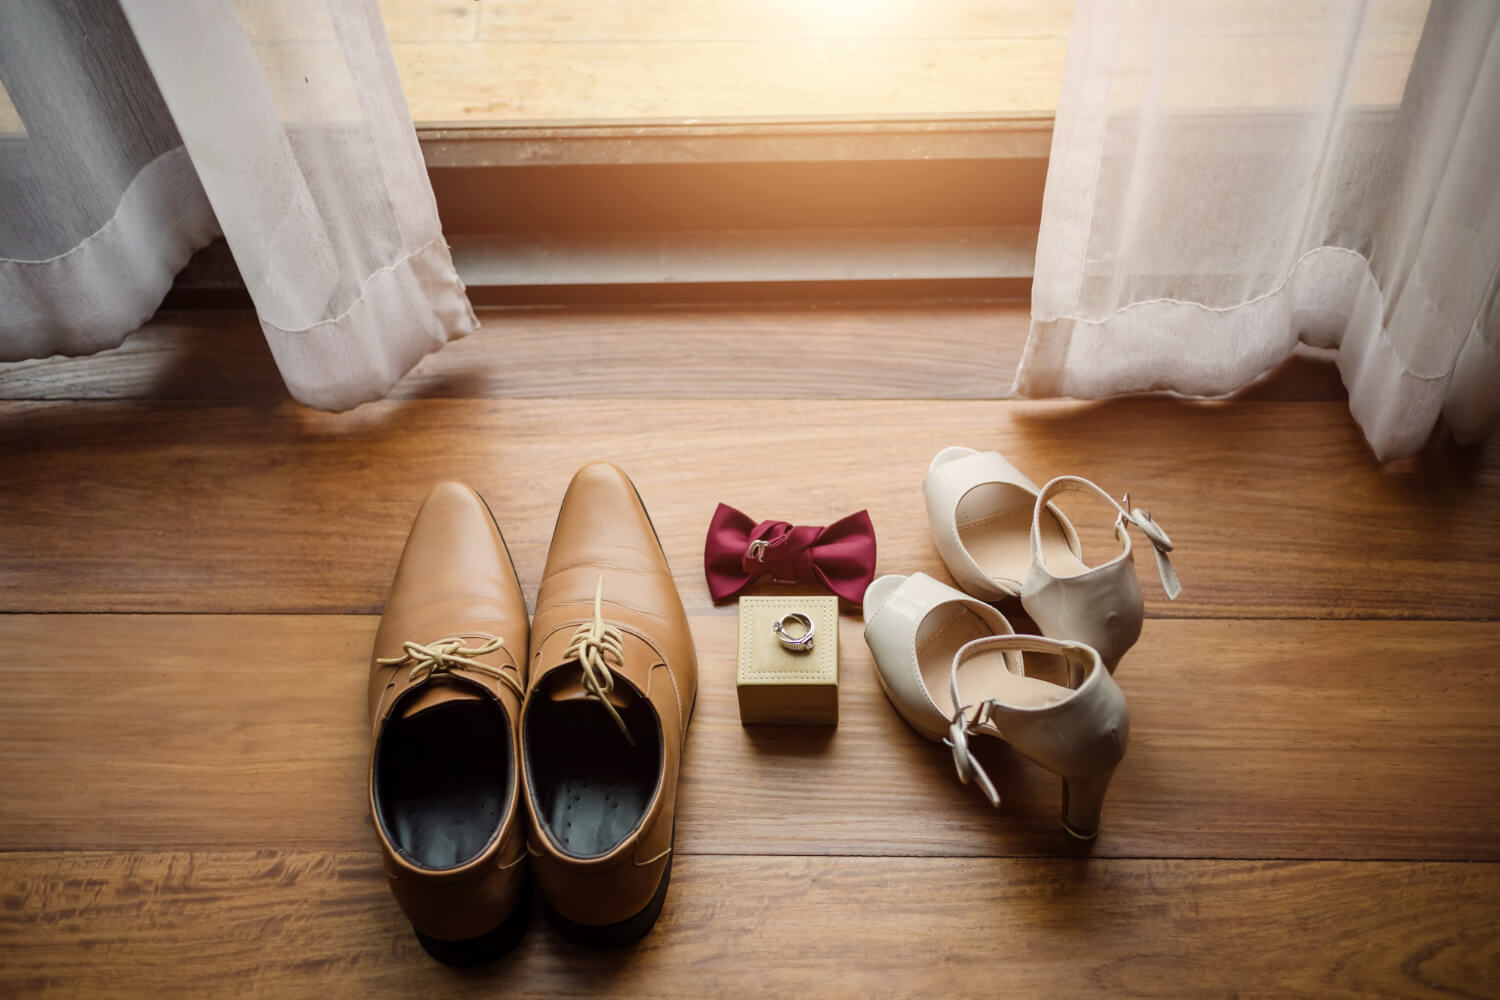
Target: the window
(592, 61)
(622, 150)
(688, 149)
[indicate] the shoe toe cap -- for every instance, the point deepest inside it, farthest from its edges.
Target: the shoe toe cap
(603, 520)
(455, 557)
(880, 591)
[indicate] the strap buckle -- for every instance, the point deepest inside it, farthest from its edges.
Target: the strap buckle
(1161, 544)
(1142, 519)
(964, 763)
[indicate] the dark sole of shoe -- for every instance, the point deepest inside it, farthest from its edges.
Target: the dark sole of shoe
(487, 947)
(627, 931)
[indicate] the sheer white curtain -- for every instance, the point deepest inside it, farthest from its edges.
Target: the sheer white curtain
(1229, 180)
(136, 131)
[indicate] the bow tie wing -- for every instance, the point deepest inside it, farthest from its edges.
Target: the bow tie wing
(724, 552)
(843, 556)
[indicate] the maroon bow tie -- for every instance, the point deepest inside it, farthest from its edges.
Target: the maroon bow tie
(738, 551)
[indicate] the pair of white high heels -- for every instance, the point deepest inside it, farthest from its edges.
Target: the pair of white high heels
(1000, 536)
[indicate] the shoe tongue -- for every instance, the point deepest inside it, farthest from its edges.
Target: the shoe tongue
(567, 685)
(435, 695)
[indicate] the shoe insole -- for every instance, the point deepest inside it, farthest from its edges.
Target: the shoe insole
(1001, 544)
(942, 633)
(442, 779)
(591, 788)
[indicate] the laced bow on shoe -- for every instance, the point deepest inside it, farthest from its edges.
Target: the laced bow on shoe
(597, 646)
(441, 656)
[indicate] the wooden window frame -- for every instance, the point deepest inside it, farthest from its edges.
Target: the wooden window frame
(753, 210)
(833, 209)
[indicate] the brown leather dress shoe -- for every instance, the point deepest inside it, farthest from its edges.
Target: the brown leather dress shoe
(615, 677)
(446, 684)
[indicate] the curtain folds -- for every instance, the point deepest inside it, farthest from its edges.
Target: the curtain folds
(1321, 175)
(143, 130)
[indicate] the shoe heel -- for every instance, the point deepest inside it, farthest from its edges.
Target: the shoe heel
(487, 947)
(1083, 800)
(627, 931)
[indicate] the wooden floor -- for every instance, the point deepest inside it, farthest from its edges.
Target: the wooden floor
(193, 566)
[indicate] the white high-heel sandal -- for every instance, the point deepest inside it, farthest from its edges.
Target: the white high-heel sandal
(1077, 731)
(1000, 536)
(915, 626)
(920, 630)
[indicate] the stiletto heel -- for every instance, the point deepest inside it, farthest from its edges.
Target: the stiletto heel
(1083, 801)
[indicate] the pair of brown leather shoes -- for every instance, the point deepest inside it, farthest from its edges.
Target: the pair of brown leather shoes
(562, 740)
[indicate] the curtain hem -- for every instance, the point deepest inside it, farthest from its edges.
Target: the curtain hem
(89, 298)
(1472, 408)
(1329, 299)
(404, 312)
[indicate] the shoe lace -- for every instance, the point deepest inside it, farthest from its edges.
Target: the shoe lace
(598, 646)
(440, 657)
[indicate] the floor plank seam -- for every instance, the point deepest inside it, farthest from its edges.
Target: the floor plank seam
(693, 612)
(373, 853)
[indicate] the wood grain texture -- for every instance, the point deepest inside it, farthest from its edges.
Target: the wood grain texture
(295, 924)
(954, 351)
(913, 352)
(575, 60)
(218, 759)
(724, 20)
(609, 80)
(484, 81)
(1248, 739)
(1277, 509)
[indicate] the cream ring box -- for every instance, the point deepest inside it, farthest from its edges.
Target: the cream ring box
(777, 685)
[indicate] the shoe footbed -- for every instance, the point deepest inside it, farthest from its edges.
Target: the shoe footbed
(945, 630)
(590, 787)
(442, 779)
(995, 526)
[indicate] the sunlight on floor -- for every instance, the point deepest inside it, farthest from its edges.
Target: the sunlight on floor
(539, 60)
(608, 60)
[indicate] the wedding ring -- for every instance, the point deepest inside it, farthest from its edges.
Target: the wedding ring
(796, 644)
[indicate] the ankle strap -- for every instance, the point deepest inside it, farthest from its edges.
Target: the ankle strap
(961, 725)
(1161, 544)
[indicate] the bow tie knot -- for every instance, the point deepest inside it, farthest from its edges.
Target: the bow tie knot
(780, 550)
(739, 551)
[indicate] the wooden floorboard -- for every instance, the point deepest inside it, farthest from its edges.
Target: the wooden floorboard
(294, 924)
(1277, 509)
(787, 352)
(1258, 739)
(1308, 807)
(955, 351)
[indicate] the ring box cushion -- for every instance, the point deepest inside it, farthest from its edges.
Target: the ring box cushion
(776, 685)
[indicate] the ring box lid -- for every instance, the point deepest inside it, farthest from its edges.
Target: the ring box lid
(776, 684)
